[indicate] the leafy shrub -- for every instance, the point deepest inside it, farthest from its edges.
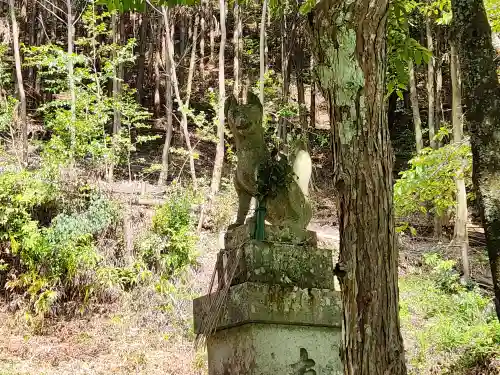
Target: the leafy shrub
(81, 136)
(429, 185)
(169, 246)
(450, 331)
(443, 272)
(58, 261)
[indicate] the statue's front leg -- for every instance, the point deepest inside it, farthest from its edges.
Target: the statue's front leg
(244, 200)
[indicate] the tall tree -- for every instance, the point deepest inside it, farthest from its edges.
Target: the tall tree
(118, 28)
(431, 88)
(204, 15)
(19, 78)
(312, 108)
(141, 59)
(461, 236)
(219, 153)
(238, 48)
(71, 78)
(417, 122)
(349, 41)
(481, 91)
(262, 50)
(183, 105)
(169, 107)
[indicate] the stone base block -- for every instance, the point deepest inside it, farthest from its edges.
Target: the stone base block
(263, 303)
(275, 349)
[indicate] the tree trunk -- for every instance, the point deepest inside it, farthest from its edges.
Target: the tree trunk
(117, 29)
(301, 96)
(141, 59)
(237, 56)
(461, 236)
(213, 32)
(219, 153)
(169, 107)
(19, 80)
(482, 100)
(32, 36)
(352, 57)
(285, 72)
(202, 38)
(312, 109)
(262, 51)
(439, 113)
(183, 106)
(71, 79)
(431, 89)
(414, 106)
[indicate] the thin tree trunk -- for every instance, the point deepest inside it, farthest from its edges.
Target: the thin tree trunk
(461, 236)
(262, 50)
(431, 89)
(353, 63)
(299, 76)
(192, 61)
(161, 45)
(39, 41)
(117, 29)
(202, 39)
(439, 113)
(237, 56)
(312, 109)
(219, 153)
(169, 107)
(481, 91)
(32, 34)
(182, 105)
(213, 32)
(71, 78)
(141, 59)
(417, 122)
(183, 35)
(20, 85)
(285, 71)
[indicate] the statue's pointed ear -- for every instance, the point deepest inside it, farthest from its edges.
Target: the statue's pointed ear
(253, 100)
(231, 102)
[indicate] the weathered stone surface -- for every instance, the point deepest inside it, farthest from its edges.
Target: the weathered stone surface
(255, 302)
(275, 349)
(285, 264)
(237, 236)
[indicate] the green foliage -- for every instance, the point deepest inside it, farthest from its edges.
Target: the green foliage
(57, 260)
(5, 68)
(273, 177)
(7, 103)
(401, 48)
(493, 11)
(428, 186)
(449, 332)
(140, 5)
(85, 136)
(169, 246)
(21, 193)
(7, 107)
(444, 273)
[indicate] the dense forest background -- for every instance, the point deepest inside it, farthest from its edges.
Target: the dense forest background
(117, 167)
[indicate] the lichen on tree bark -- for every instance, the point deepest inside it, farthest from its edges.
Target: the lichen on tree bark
(481, 94)
(349, 43)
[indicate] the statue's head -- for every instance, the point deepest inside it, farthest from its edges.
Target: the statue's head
(242, 117)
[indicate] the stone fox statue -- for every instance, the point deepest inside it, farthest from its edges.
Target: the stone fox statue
(291, 206)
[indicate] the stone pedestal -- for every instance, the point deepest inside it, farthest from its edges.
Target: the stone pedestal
(281, 315)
